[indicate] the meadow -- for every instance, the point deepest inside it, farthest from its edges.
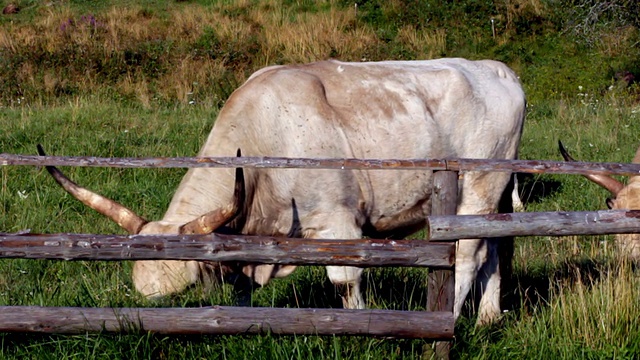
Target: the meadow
(147, 78)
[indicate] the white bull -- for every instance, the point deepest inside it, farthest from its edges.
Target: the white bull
(446, 108)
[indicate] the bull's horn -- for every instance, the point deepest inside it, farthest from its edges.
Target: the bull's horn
(125, 217)
(614, 186)
(212, 220)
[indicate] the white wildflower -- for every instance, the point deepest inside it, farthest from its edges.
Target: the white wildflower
(22, 194)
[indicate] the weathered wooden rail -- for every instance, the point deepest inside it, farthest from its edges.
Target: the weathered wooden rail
(220, 320)
(217, 247)
(556, 223)
(435, 324)
(522, 166)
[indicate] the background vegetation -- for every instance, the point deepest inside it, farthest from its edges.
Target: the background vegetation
(137, 78)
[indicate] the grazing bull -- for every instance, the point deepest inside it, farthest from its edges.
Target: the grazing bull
(624, 197)
(447, 108)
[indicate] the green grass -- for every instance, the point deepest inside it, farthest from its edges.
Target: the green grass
(571, 299)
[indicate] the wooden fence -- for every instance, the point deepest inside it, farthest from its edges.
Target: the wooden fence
(443, 225)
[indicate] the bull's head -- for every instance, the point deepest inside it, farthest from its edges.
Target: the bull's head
(159, 278)
(623, 197)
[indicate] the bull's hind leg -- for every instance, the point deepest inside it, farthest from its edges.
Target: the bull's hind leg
(345, 278)
(476, 263)
(477, 260)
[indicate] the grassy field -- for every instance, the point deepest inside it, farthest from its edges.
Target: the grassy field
(137, 78)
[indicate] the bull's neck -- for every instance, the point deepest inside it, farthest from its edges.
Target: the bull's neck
(205, 189)
(202, 190)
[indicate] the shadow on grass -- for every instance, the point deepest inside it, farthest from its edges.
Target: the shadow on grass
(406, 288)
(526, 293)
(532, 289)
(388, 288)
(534, 188)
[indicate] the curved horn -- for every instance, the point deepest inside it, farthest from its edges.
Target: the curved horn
(212, 220)
(614, 186)
(125, 217)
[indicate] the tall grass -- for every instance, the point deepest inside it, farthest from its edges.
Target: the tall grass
(181, 54)
(177, 51)
(586, 315)
(599, 309)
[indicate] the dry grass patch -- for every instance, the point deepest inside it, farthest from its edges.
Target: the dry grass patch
(188, 23)
(515, 9)
(191, 80)
(136, 86)
(617, 41)
(425, 43)
(125, 26)
(296, 38)
(175, 57)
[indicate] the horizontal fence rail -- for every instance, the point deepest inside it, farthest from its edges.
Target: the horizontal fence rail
(522, 166)
(219, 320)
(533, 224)
(217, 247)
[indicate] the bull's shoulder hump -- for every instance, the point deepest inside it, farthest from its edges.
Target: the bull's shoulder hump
(273, 73)
(265, 70)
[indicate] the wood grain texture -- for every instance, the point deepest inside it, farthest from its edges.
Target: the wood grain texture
(554, 223)
(217, 247)
(218, 320)
(523, 166)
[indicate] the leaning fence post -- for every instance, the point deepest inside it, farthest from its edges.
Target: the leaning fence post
(441, 283)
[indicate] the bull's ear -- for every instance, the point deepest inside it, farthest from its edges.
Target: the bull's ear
(262, 274)
(283, 270)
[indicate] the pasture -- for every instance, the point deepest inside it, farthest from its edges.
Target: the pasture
(154, 93)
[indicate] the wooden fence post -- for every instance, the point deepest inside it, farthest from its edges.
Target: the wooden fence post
(441, 283)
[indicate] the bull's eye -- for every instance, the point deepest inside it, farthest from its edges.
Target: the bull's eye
(610, 203)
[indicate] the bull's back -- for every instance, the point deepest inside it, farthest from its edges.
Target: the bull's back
(424, 109)
(384, 109)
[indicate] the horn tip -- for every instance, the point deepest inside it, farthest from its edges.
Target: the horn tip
(564, 152)
(239, 170)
